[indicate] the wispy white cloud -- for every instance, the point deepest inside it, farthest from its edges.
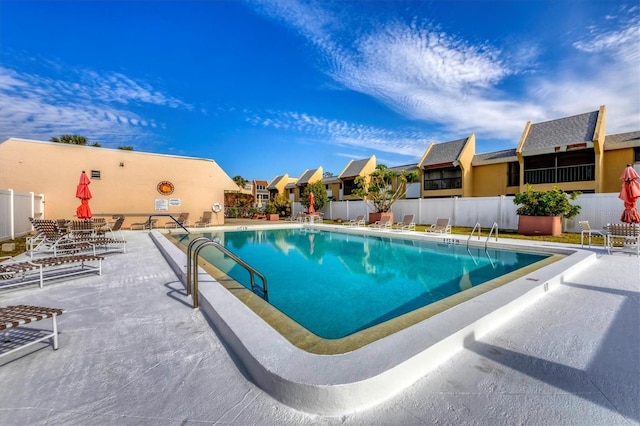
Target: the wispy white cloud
(97, 105)
(409, 143)
(620, 43)
(426, 74)
(610, 77)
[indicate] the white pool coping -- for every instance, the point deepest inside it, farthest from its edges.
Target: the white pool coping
(345, 383)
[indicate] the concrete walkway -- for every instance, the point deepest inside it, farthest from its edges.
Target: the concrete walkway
(133, 352)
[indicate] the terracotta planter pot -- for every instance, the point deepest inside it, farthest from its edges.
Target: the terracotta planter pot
(539, 225)
(273, 216)
(375, 217)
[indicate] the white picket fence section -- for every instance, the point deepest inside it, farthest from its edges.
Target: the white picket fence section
(15, 210)
(598, 209)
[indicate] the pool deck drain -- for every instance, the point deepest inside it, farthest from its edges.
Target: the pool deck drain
(133, 352)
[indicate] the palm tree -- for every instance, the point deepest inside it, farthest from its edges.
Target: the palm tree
(71, 139)
(240, 181)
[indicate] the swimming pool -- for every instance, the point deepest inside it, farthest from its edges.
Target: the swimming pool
(339, 376)
(335, 284)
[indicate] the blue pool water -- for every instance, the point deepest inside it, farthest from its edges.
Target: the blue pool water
(335, 284)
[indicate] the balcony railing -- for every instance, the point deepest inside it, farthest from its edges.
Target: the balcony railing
(579, 173)
(447, 183)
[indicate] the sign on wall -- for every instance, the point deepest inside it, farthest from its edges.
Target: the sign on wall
(161, 205)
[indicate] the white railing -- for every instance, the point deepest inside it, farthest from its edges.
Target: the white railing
(598, 209)
(15, 210)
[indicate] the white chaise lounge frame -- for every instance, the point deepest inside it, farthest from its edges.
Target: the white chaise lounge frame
(18, 315)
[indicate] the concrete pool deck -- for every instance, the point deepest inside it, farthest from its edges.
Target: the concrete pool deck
(133, 351)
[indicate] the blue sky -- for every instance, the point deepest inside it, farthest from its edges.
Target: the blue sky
(267, 88)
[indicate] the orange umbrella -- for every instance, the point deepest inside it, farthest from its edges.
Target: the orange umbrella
(82, 191)
(629, 194)
(312, 208)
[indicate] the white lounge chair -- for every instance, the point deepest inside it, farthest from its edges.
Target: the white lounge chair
(384, 223)
(442, 226)
(145, 225)
(205, 220)
(358, 221)
(20, 272)
(19, 315)
(299, 217)
(50, 239)
(183, 220)
(407, 224)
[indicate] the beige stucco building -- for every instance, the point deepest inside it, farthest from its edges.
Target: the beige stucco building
(134, 184)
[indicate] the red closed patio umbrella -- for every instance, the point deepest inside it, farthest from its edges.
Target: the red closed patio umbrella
(630, 193)
(84, 194)
(312, 208)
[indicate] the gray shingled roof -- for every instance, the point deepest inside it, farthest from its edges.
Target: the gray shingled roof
(622, 137)
(330, 179)
(274, 183)
(446, 152)
(494, 157)
(561, 132)
(354, 169)
(304, 179)
(406, 167)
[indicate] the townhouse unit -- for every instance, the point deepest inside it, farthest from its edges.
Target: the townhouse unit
(573, 153)
(260, 192)
(296, 188)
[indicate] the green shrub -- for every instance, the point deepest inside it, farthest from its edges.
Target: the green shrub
(553, 202)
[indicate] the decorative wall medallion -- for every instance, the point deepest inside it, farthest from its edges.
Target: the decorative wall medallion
(165, 187)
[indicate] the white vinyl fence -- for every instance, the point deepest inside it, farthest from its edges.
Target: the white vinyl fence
(598, 209)
(15, 210)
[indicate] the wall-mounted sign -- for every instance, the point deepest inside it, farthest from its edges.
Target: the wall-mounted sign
(165, 187)
(161, 205)
(175, 202)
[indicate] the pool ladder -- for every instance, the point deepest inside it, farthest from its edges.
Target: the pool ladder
(479, 229)
(192, 263)
(486, 243)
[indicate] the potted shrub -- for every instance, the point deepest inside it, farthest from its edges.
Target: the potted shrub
(378, 191)
(282, 205)
(541, 212)
(271, 211)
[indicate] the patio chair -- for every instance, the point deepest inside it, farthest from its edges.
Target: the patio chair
(51, 239)
(358, 221)
(384, 223)
(407, 223)
(299, 217)
(112, 227)
(85, 227)
(205, 220)
(585, 228)
(86, 231)
(183, 220)
(624, 236)
(442, 226)
(145, 225)
(15, 316)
